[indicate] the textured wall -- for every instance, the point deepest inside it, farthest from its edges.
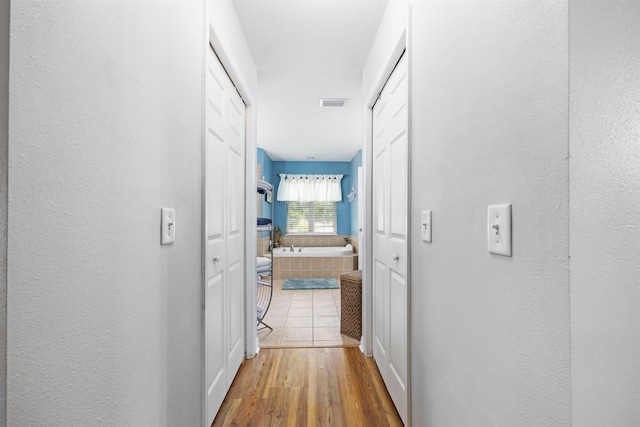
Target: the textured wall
(222, 15)
(490, 334)
(605, 212)
(104, 325)
(4, 110)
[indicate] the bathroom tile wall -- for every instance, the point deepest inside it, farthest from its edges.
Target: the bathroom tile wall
(354, 242)
(298, 267)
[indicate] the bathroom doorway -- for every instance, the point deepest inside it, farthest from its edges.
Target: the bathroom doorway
(308, 317)
(314, 242)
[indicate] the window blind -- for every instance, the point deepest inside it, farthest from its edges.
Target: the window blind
(311, 217)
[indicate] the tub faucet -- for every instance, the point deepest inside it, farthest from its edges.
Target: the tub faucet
(292, 250)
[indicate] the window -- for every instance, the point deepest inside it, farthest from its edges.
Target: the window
(311, 217)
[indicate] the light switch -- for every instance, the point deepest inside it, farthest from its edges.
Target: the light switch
(426, 226)
(499, 229)
(168, 226)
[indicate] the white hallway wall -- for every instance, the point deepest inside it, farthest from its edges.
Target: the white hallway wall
(605, 212)
(491, 333)
(4, 116)
(104, 324)
(492, 336)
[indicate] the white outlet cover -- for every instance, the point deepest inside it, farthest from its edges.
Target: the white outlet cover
(426, 226)
(499, 229)
(168, 226)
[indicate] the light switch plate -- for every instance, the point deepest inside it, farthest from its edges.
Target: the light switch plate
(168, 226)
(426, 226)
(499, 229)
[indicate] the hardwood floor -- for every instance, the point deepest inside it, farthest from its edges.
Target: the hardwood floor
(308, 387)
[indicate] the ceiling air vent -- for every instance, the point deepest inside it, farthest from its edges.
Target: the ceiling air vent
(332, 102)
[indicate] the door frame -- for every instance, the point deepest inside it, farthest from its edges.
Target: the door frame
(213, 36)
(223, 49)
(235, 72)
(361, 210)
(385, 68)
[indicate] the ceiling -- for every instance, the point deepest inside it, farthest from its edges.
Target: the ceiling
(306, 50)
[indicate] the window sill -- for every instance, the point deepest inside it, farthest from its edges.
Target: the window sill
(311, 234)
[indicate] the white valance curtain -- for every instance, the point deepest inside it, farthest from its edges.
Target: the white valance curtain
(310, 188)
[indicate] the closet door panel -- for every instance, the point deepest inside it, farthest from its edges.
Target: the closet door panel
(390, 243)
(224, 266)
(235, 236)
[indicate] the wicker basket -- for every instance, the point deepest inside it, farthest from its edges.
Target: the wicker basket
(351, 304)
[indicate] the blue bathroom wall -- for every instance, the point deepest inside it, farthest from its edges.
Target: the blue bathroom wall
(267, 172)
(353, 174)
(343, 208)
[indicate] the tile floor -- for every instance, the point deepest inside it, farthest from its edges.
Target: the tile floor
(307, 318)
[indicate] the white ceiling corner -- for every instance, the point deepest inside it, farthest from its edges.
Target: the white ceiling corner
(305, 50)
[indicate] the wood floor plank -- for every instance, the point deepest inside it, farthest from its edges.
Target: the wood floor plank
(308, 387)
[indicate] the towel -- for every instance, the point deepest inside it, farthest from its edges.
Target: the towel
(264, 221)
(262, 270)
(262, 262)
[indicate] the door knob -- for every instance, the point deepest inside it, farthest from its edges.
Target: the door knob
(217, 258)
(396, 257)
(360, 229)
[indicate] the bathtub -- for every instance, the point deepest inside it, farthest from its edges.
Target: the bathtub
(313, 262)
(314, 251)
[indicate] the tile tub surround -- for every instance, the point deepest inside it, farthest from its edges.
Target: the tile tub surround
(300, 267)
(314, 267)
(354, 242)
